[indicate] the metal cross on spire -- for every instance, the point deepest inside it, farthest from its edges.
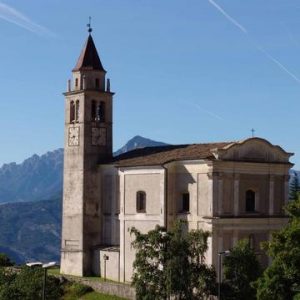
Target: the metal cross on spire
(252, 131)
(89, 25)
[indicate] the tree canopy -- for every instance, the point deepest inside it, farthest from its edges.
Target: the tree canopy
(5, 260)
(241, 268)
(27, 284)
(171, 264)
(281, 280)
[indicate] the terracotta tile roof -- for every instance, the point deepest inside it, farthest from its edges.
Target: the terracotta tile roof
(89, 58)
(163, 154)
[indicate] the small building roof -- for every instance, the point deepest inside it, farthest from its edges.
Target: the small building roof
(89, 58)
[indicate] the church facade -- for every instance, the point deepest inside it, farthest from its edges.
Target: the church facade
(233, 189)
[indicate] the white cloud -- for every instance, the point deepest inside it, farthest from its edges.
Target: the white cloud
(14, 16)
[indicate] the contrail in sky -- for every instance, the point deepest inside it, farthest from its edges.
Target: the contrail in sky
(14, 16)
(227, 16)
(261, 49)
(278, 63)
(210, 113)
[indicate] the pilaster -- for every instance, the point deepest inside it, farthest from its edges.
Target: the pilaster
(271, 195)
(236, 200)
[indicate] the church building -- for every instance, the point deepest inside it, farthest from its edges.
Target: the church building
(233, 189)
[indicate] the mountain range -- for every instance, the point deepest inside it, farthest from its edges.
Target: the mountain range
(40, 177)
(30, 210)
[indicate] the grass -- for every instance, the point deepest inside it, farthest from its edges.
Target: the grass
(97, 296)
(76, 291)
(54, 271)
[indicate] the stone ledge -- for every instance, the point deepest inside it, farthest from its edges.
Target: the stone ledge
(110, 288)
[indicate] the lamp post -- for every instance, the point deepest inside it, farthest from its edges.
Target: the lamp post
(45, 267)
(220, 254)
(105, 258)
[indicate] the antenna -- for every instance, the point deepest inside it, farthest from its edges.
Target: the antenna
(89, 25)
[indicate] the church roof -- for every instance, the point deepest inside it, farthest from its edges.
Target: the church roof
(164, 154)
(89, 58)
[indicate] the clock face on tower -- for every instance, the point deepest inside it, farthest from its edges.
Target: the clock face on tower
(99, 136)
(73, 138)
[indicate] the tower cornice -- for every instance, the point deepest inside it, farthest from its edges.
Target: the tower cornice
(85, 91)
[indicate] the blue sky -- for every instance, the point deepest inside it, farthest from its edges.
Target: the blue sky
(183, 71)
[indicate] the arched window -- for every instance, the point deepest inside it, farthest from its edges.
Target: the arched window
(77, 111)
(97, 83)
(141, 202)
(72, 111)
(100, 112)
(250, 201)
(93, 110)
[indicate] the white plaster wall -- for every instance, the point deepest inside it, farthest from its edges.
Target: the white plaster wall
(72, 263)
(150, 184)
(112, 264)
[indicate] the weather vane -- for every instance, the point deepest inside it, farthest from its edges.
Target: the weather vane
(89, 25)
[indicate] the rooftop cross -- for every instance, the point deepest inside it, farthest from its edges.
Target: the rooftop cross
(253, 131)
(89, 25)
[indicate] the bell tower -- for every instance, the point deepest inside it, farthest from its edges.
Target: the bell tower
(88, 142)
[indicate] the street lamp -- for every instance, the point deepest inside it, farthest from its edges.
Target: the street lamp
(220, 254)
(45, 267)
(105, 258)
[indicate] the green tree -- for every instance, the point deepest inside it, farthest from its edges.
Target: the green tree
(294, 187)
(241, 268)
(171, 264)
(5, 260)
(281, 280)
(27, 285)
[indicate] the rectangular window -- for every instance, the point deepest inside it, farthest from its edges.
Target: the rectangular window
(185, 202)
(140, 202)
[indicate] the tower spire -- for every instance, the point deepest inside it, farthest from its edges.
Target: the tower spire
(89, 25)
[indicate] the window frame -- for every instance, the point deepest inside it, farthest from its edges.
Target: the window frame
(72, 111)
(77, 111)
(97, 83)
(93, 110)
(141, 201)
(185, 203)
(250, 197)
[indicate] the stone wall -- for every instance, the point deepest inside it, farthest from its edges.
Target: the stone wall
(110, 288)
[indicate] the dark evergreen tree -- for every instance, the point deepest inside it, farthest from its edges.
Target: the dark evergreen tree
(294, 192)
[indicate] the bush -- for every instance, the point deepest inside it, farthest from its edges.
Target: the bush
(5, 261)
(75, 290)
(28, 285)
